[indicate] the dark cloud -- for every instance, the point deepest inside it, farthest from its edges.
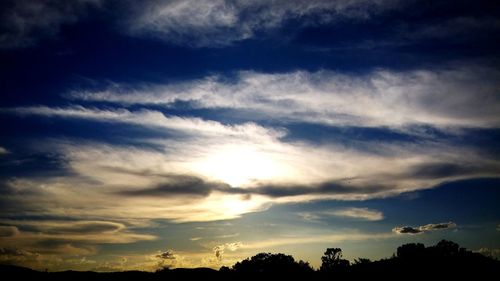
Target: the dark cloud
(167, 259)
(179, 185)
(167, 255)
(192, 185)
(443, 170)
(406, 230)
(23, 23)
(423, 228)
(323, 188)
(218, 251)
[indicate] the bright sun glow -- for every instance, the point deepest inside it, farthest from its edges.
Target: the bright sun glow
(239, 166)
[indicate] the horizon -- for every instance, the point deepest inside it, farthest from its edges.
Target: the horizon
(406, 257)
(198, 133)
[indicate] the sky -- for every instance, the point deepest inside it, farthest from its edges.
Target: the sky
(197, 133)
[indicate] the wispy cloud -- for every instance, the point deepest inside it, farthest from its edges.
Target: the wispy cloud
(359, 213)
(347, 213)
(327, 238)
(423, 228)
(196, 23)
(380, 98)
(201, 23)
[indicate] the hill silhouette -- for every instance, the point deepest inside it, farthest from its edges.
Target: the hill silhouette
(445, 260)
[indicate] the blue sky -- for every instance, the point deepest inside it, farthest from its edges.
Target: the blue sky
(219, 129)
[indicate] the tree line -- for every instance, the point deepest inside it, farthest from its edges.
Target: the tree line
(446, 260)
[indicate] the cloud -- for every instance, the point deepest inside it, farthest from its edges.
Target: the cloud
(152, 118)
(167, 255)
(434, 226)
(381, 98)
(167, 259)
(23, 23)
(207, 170)
(311, 239)
(8, 231)
(61, 257)
(53, 244)
(201, 23)
(423, 228)
(442, 169)
(489, 252)
(219, 249)
(222, 171)
(359, 213)
(363, 214)
(195, 23)
(179, 185)
(3, 151)
(219, 23)
(406, 230)
(68, 231)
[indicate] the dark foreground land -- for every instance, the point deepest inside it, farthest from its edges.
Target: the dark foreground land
(446, 260)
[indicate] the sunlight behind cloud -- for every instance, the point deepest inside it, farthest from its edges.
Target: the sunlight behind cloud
(240, 165)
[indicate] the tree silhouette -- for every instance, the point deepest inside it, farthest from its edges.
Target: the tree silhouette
(447, 248)
(332, 260)
(271, 263)
(411, 251)
(361, 261)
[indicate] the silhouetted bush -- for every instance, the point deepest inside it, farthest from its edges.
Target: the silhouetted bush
(411, 251)
(264, 263)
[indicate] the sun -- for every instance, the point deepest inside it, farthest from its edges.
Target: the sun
(240, 165)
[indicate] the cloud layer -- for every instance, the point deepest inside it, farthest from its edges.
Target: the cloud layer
(224, 170)
(423, 228)
(465, 96)
(222, 22)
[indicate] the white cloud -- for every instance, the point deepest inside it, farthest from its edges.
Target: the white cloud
(359, 213)
(151, 118)
(462, 96)
(350, 213)
(202, 23)
(310, 239)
